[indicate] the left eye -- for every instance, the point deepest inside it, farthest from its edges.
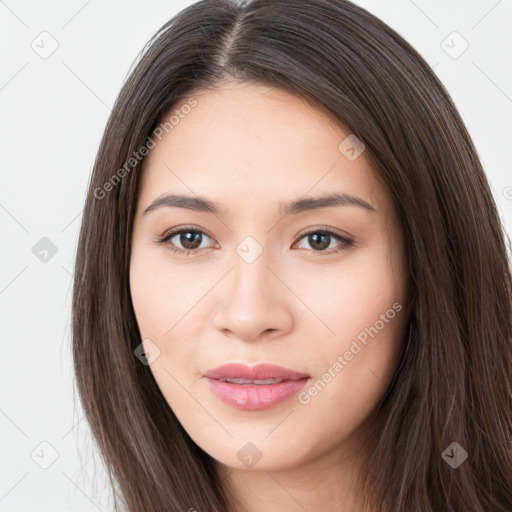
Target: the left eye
(191, 240)
(320, 240)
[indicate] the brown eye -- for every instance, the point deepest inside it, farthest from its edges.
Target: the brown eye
(320, 240)
(190, 240)
(185, 240)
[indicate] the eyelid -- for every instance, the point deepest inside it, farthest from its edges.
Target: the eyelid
(327, 229)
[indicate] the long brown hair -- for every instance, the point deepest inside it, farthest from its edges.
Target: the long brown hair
(453, 381)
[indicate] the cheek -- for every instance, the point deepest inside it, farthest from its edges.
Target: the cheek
(163, 294)
(170, 304)
(362, 307)
(148, 301)
(349, 297)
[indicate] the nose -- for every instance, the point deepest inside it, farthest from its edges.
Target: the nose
(253, 302)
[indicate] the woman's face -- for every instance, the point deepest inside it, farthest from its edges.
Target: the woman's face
(263, 282)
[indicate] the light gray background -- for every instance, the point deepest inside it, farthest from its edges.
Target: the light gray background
(53, 111)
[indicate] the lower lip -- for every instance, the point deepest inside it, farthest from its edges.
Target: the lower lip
(256, 396)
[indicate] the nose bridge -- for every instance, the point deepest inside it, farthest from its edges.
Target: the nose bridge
(253, 302)
(251, 275)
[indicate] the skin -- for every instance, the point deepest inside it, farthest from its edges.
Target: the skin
(250, 147)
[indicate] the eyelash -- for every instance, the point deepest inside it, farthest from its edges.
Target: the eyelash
(346, 242)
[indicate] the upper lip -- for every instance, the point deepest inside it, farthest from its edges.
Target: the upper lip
(257, 372)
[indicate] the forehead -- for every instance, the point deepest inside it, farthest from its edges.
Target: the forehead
(253, 143)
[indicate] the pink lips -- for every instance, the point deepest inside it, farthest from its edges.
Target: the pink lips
(254, 395)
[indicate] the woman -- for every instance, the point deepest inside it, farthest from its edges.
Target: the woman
(292, 288)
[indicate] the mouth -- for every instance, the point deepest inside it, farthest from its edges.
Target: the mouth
(254, 388)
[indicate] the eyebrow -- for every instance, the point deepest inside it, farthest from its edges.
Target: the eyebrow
(200, 204)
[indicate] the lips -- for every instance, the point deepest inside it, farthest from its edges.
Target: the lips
(252, 388)
(260, 372)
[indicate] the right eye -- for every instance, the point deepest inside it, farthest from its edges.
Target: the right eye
(190, 239)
